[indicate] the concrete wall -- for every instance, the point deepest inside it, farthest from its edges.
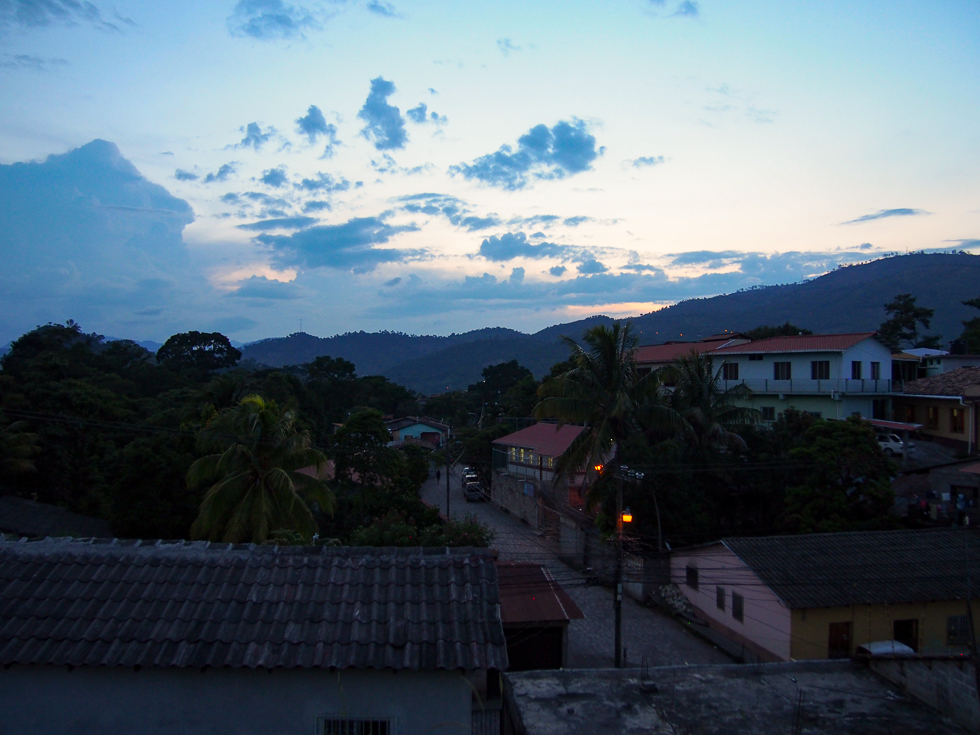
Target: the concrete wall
(49, 700)
(948, 685)
(811, 628)
(967, 439)
(825, 405)
(765, 627)
(866, 352)
(508, 492)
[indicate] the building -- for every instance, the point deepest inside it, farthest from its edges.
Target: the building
(819, 596)
(946, 404)
(113, 636)
(535, 612)
(655, 357)
(419, 428)
(829, 375)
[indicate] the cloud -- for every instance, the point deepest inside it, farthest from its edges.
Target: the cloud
(182, 175)
(324, 183)
(316, 205)
(260, 287)
(421, 115)
(254, 137)
(393, 282)
(645, 161)
(268, 20)
(542, 153)
(698, 257)
(903, 212)
(967, 242)
(275, 177)
(687, 9)
(42, 13)
(313, 125)
(450, 207)
(280, 223)
(537, 219)
(865, 246)
(385, 126)
(506, 46)
(516, 275)
(26, 61)
(557, 271)
(512, 245)
(385, 10)
(592, 266)
(222, 173)
(576, 221)
(349, 246)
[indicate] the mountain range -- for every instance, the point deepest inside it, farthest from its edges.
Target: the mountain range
(848, 299)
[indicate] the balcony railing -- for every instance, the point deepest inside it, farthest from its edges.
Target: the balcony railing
(801, 386)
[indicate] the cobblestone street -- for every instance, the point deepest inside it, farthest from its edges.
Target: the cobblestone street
(646, 632)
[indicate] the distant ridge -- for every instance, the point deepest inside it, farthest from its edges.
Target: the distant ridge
(849, 299)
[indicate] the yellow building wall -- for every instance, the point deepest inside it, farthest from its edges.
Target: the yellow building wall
(810, 628)
(922, 411)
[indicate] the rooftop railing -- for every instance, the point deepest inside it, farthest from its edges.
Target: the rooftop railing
(799, 385)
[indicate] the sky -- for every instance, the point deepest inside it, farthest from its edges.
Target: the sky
(257, 167)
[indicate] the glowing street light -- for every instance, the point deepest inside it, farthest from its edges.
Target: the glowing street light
(627, 516)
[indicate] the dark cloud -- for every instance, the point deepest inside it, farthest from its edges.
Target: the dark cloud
(450, 207)
(473, 224)
(697, 257)
(349, 246)
(269, 20)
(254, 137)
(687, 9)
(592, 266)
(182, 175)
(385, 126)
(275, 177)
(222, 173)
(576, 221)
(512, 245)
(645, 161)
(542, 153)
(260, 287)
(230, 198)
(421, 115)
(903, 212)
(280, 223)
(316, 205)
(516, 275)
(26, 61)
(640, 268)
(385, 10)
(557, 271)
(393, 282)
(865, 246)
(324, 183)
(41, 13)
(314, 125)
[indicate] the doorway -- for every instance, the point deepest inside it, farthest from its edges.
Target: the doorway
(839, 643)
(907, 632)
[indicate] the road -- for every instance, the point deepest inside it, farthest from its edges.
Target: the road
(646, 632)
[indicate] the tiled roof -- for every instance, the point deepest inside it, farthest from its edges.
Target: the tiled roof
(954, 383)
(407, 421)
(27, 518)
(971, 469)
(530, 594)
(195, 604)
(799, 343)
(676, 350)
(863, 568)
(545, 439)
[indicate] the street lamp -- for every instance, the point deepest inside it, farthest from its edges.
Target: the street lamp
(627, 516)
(622, 516)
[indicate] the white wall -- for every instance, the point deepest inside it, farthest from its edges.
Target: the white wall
(766, 620)
(866, 351)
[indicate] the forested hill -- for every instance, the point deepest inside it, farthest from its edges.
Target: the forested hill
(848, 299)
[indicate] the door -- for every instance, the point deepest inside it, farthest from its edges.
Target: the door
(839, 643)
(907, 632)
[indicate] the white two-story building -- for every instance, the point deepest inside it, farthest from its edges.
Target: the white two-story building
(830, 375)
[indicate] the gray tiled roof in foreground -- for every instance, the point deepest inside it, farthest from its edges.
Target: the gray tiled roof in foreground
(200, 604)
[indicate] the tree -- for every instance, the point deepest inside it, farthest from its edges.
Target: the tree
(201, 352)
(17, 448)
(255, 487)
(971, 331)
(498, 379)
(904, 321)
(783, 330)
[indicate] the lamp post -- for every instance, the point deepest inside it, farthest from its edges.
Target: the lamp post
(624, 473)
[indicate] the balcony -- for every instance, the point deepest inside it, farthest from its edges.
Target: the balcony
(811, 387)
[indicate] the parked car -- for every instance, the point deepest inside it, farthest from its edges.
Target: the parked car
(473, 491)
(892, 444)
(469, 475)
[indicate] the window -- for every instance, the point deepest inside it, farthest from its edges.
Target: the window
(855, 370)
(729, 371)
(692, 577)
(910, 414)
(755, 358)
(768, 413)
(956, 420)
(820, 370)
(907, 632)
(355, 726)
(720, 597)
(879, 408)
(932, 417)
(876, 371)
(782, 371)
(957, 630)
(738, 607)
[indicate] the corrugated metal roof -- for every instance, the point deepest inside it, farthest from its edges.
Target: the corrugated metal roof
(799, 343)
(954, 383)
(530, 594)
(195, 604)
(676, 350)
(971, 469)
(545, 439)
(863, 568)
(28, 518)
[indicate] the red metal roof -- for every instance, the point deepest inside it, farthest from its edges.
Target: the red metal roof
(545, 439)
(973, 469)
(529, 594)
(896, 425)
(798, 343)
(675, 350)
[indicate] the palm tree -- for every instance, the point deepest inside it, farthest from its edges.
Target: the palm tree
(256, 489)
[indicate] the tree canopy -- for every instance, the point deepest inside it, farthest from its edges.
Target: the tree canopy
(902, 326)
(204, 352)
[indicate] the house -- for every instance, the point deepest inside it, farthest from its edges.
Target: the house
(654, 357)
(829, 375)
(818, 596)
(29, 518)
(535, 612)
(947, 405)
(523, 479)
(111, 636)
(420, 428)
(943, 493)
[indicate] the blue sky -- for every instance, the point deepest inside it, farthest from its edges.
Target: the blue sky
(438, 167)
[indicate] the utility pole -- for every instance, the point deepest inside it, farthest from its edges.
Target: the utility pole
(618, 589)
(448, 470)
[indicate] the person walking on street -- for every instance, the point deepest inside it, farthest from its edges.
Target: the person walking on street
(438, 475)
